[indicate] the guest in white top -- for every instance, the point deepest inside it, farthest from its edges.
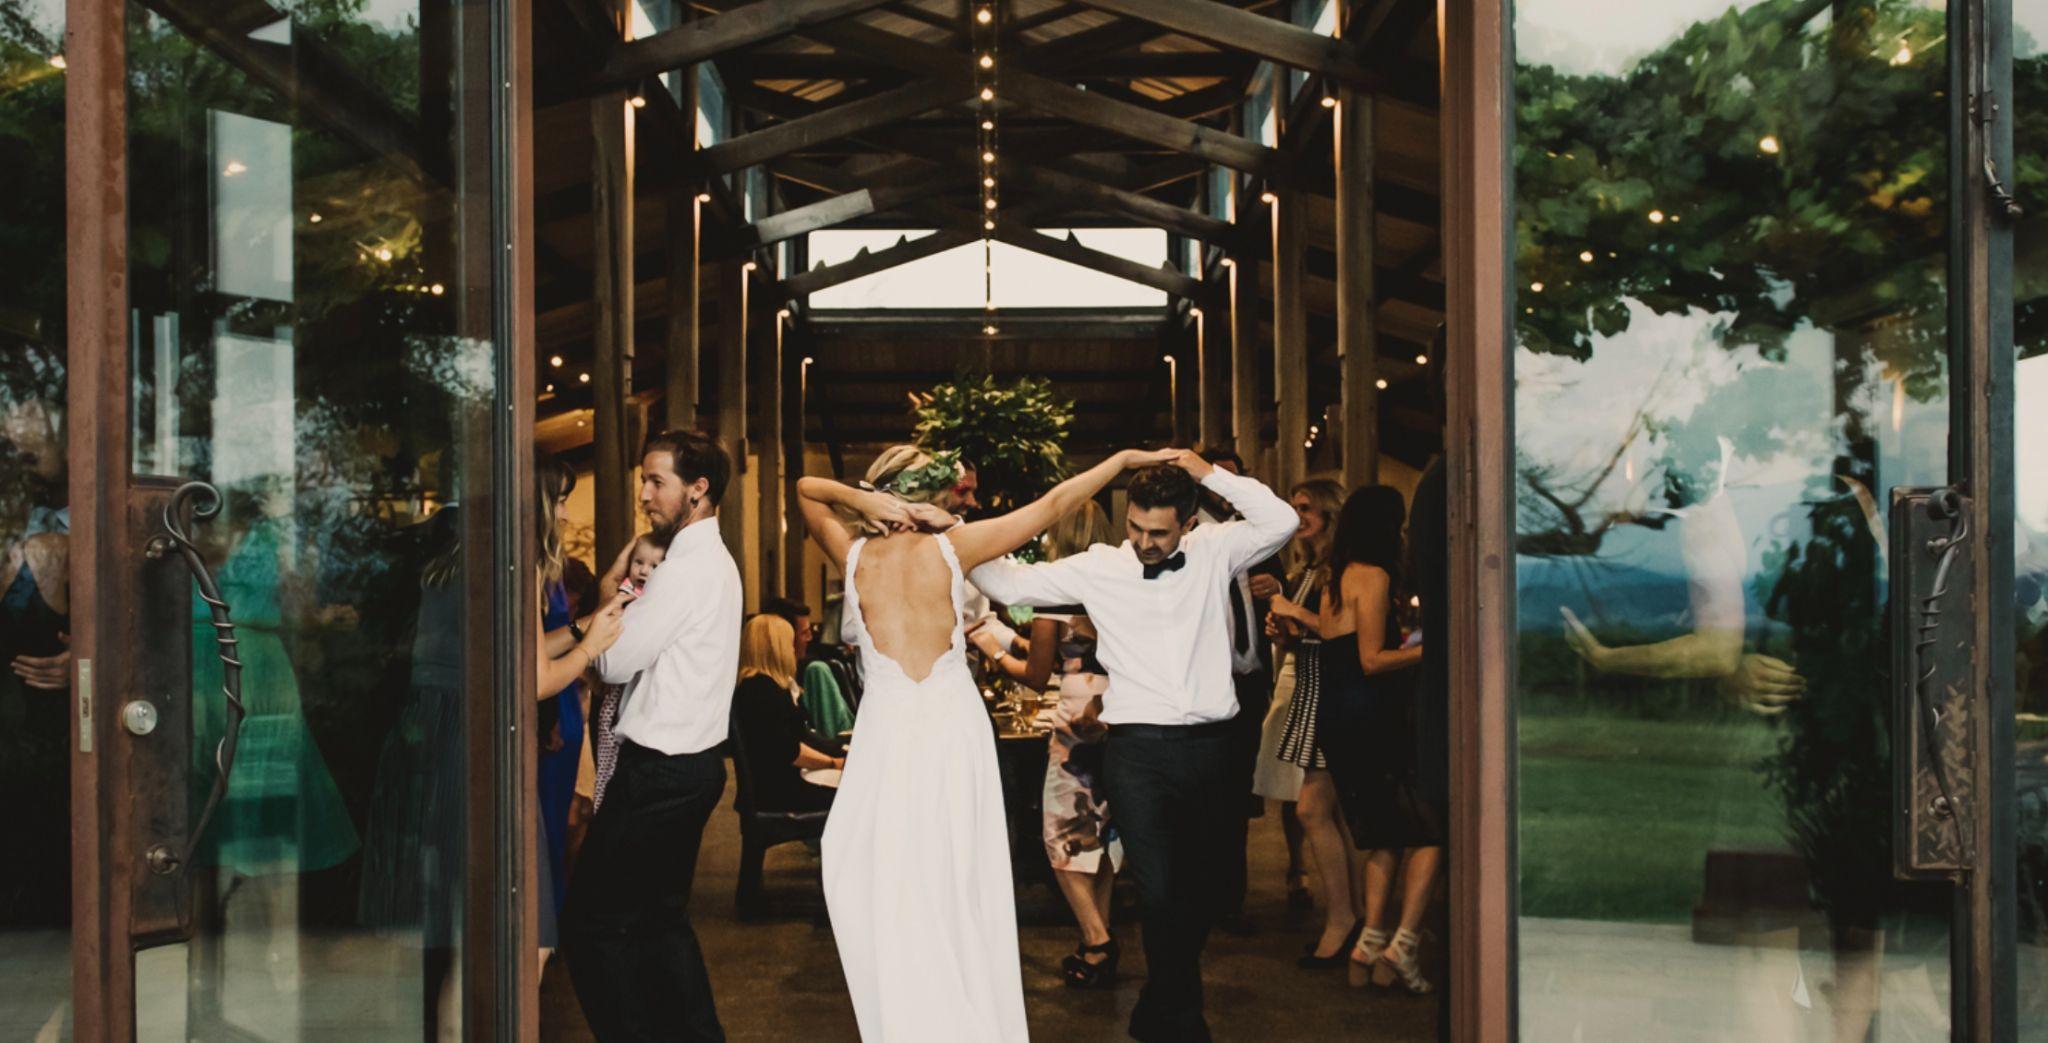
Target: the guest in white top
(1161, 607)
(633, 957)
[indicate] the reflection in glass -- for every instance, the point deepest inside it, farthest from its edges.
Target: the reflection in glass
(35, 703)
(2030, 494)
(310, 335)
(1730, 258)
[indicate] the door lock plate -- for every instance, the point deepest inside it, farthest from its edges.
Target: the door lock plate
(139, 717)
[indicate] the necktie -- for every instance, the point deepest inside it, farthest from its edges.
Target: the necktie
(1172, 564)
(1240, 639)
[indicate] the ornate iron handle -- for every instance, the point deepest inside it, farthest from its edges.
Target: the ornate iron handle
(1932, 656)
(200, 501)
(1947, 505)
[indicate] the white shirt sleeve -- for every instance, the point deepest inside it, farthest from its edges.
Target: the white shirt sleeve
(1267, 523)
(1042, 585)
(652, 622)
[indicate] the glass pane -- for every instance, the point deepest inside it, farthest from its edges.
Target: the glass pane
(35, 875)
(310, 260)
(1730, 256)
(2030, 489)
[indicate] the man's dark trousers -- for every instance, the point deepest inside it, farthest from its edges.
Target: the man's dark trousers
(1254, 698)
(1175, 796)
(633, 957)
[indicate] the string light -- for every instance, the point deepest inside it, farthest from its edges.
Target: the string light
(988, 61)
(1380, 383)
(555, 361)
(1329, 102)
(984, 16)
(988, 94)
(1422, 360)
(982, 45)
(988, 124)
(1586, 256)
(313, 219)
(1768, 144)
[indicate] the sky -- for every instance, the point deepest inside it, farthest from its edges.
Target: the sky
(1022, 278)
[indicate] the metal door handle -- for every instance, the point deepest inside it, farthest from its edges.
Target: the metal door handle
(200, 501)
(1932, 659)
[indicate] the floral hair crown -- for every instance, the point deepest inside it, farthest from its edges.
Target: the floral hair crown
(941, 472)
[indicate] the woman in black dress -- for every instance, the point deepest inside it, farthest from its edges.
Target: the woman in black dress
(1368, 733)
(771, 729)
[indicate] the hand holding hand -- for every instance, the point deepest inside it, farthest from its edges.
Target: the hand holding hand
(605, 627)
(48, 673)
(1265, 585)
(1134, 458)
(1763, 685)
(931, 517)
(885, 512)
(1190, 461)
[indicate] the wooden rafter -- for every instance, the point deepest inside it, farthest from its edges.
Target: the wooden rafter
(1236, 29)
(705, 38)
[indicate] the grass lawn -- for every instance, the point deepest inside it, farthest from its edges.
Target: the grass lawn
(1617, 814)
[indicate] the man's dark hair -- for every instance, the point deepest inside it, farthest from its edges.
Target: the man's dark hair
(1165, 485)
(788, 608)
(1221, 454)
(696, 455)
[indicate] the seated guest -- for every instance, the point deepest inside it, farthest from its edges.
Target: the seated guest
(823, 703)
(769, 724)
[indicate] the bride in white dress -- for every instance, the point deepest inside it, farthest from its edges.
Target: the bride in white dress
(916, 851)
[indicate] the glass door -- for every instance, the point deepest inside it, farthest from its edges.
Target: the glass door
(1731, 261)
(296, 456)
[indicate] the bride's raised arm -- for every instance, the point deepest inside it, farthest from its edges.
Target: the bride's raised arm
(985, 541)
(818, 498)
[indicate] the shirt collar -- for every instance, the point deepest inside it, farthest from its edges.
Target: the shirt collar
(695, 536)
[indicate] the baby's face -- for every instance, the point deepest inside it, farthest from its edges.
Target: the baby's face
(644, 561)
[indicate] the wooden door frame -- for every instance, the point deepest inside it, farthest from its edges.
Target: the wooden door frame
(500, 976)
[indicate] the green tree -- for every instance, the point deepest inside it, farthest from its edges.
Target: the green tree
(1015, 435)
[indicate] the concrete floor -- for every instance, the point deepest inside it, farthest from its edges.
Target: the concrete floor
(779, 979)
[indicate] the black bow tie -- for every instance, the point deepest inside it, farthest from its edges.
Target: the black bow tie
(1172, 564)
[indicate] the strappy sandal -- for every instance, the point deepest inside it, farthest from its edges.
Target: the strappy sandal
(1083, 973)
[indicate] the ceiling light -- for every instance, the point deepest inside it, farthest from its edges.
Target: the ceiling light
(984, 16)
(703, 197)
(988, 157)
(555, 361)
(988, 124)
(988, 61)
(988, 94)
(638, 102)
(988, 182)
(1381, 384)
(583, 378)
(988, 204)
(989, 226)
(313, 219)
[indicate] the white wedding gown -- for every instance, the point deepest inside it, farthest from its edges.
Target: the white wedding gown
(917, 853)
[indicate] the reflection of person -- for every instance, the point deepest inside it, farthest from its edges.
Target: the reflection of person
(35, 878)
(1368, 732)
(770, 724)
(1715, 555)
(1160, 605)
(1291, 629)
(413, 851)
(633, 956)
(1081, 841)
(917, 849)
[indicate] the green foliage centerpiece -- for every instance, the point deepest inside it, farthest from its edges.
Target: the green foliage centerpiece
(1015, 435)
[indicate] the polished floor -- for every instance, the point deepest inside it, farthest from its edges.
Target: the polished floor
(779, 979)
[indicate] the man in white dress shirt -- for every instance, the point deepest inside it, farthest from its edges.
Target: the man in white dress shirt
(1161, 605)
(633, 956)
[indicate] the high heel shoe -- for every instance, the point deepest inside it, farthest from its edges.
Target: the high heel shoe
(1364, 955)
(1313, 962)
(1083, 973)
(1400, 957)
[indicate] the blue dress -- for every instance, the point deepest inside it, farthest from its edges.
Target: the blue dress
(558, 768)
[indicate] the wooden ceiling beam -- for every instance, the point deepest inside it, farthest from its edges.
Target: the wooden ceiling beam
(891, 106)
(871, 262)
(705, 38)
(1236, 29)
(1070, 250)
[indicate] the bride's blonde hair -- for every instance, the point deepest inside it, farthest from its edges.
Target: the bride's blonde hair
(909, 473)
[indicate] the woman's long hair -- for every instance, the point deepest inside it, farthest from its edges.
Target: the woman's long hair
(1325, 497)
(1369, 533)
(554, 479)
(768, 649)
(1076, 531)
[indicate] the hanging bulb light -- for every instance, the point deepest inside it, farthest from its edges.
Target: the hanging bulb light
(984, 16)
(988, 61)
(988, 94)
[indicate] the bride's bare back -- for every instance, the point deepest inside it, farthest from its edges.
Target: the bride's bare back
(906, 600)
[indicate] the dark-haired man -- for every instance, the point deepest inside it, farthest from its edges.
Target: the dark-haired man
(633, 956)
(1160, 605)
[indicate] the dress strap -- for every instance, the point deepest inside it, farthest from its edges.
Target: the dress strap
(852, 598)
(959, 578)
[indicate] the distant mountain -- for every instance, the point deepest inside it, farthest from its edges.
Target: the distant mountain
(1602, 593)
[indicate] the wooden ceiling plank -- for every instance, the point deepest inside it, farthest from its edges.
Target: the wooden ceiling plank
(1236, 29)
(706, 38)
